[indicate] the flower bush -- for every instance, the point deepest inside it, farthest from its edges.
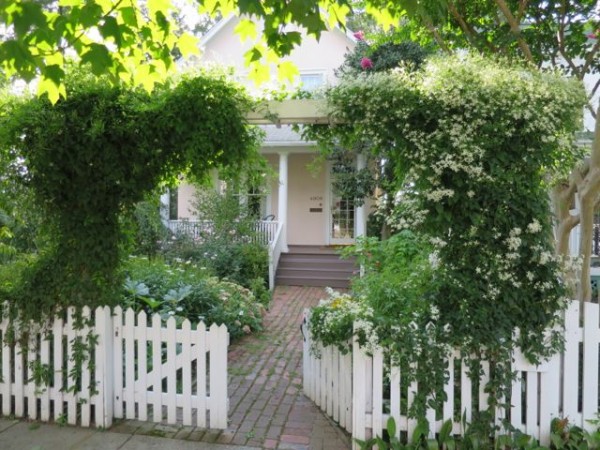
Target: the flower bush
(187, 290)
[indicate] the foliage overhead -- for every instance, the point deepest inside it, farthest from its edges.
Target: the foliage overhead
(98, 152)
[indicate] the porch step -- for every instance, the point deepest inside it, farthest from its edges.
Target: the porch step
(315, 266)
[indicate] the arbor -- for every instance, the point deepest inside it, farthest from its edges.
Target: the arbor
(555, 34)
(95, 154)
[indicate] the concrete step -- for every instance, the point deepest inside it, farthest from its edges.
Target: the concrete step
(314, 249)
(311, 272)
(301, 281)
(311, 263)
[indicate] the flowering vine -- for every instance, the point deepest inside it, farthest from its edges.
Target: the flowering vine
(474, 145)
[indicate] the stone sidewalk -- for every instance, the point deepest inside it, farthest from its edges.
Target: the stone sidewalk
(267, 407)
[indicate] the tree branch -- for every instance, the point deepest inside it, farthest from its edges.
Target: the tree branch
(591, 56)
(470, 33)
(515, 30)
(433, 30)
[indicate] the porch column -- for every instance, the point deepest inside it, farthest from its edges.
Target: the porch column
(282, 200)
(360, 222)
(165, 201)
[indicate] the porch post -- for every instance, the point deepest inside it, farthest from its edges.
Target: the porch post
(165, 201)
(282, 200)
(360, 222)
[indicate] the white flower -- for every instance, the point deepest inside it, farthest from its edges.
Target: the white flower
(534, 227)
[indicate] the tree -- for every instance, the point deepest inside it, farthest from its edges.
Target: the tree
(137, 41)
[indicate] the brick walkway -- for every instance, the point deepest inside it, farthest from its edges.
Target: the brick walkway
(267, 408)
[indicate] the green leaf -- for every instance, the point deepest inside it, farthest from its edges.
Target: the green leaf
(391, 426)
(110, 28)
(287, 70)
(246, 29)
(98, 57)
(129, 16)
(188, 45)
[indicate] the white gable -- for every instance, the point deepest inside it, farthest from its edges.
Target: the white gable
(222, 46)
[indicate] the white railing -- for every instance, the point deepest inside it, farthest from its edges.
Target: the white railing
(191, 228)
(142, 368)
(539, 393)
(265, 229)
(275, 248)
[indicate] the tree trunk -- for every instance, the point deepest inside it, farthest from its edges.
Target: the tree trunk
(588, 195)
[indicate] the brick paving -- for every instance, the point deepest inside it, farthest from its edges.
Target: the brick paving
(267, 407)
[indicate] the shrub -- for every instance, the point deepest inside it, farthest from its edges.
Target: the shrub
(187, 290)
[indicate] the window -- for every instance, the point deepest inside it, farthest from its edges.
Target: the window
(173, 198)
(311, 81)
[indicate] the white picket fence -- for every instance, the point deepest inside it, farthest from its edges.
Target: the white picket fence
(141, 368)
(360, 394)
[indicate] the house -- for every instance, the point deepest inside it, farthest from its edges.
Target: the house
(303, 218)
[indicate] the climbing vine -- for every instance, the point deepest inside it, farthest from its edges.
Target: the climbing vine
(474, 145)
(95, 154)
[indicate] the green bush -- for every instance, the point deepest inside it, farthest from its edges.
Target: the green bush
(187, 290)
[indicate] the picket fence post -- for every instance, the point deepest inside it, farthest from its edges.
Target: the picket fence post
(105, 367)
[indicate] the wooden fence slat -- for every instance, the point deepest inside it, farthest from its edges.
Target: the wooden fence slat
(84, 395)
(118, 362)
(105, 367)
(532, 405)
(590, 364)
(45, 395)
(448, 408)
(411, 422)
(330, 381)
(465, 392)
(359, 395)
(156, 368)
(377, 424)
(571, 361)
(219, 339)
(483, 381)
(18, 390)
(335, 383)
(318, 376)
(395, 397)
(172, 371)
(187, 373)
(549, 398)
(306, 357)
(129, 362)
(57, 333)
(30, 386)
(348, 390)
(141, 388)
(71, 381)
(7, 364)
(200, 338)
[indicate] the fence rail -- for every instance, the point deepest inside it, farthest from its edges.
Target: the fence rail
(564, 386)
(134, 367)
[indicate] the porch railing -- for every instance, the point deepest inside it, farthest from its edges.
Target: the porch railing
(265, 229)
(275, 248)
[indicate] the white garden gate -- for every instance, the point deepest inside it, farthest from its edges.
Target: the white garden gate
(119, 365)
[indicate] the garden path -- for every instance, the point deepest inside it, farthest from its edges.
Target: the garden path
(267, 407)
